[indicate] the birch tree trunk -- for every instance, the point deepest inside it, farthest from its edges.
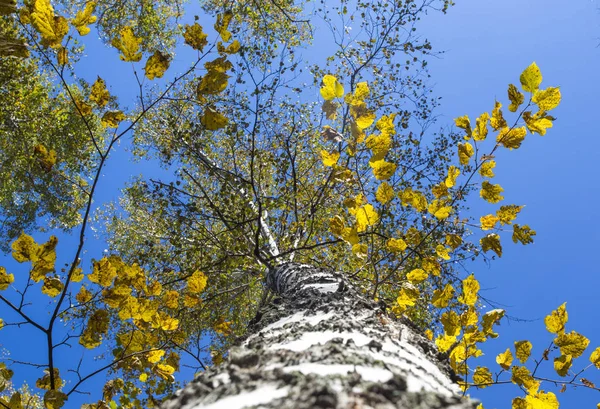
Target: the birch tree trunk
(320, 344)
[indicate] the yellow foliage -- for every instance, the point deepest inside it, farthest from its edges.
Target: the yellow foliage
(538, 123)
(556, 321)
(99, 94)
(542, 400)
(408, 296)
(573, 344)
(463, 122)
(516, 98)
(360, 250)
(488, 222)
(96, 327)
(469, 317)
(431, 265)
(363, 118)
(222, 24)
(111, 119)
(361, 92)
(196, 283)
(213, 120)
(384, 193)
(46, 158)
(84, 17)
(83, 295)
(54, 399)
(155, 355)
(453, 240)
(439, 209)
(171, 299)
(451, 323)
(522, 377)
(156, 65)
(523, 350)
(465, 151)
(62, 56)
(531, 78)
(365, 216)
(505, 359)
(128, 44)
(482, 377)
(490, 192)
(52, 286)
(491, 242)
(417, 276)
(444, 342)
(194, 37)
(453, 173)
(331, 88)
(232, 48)
(52, 28)
(5, 279)
(480, 132)
(396, 245)
(595, 357)
(329, 159)
(511, 138)
(441, 298)
(470, 288)
(386, 124)
(442, 252)
(104, 271)
(25, 249)
(379, 144)
(562, 364)
(506, 214)
(547, 99)
(497, 120)
(522, 234)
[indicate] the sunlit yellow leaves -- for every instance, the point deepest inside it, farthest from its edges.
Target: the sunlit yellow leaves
(463, 122)
(490, 192)
(5, 279)
(531, 78)
(439, 209)
(442, 252)
(379, 144)
(103, 272)
(222, 24)
(84, 17)
(171, 299)
(453, 240)
(547, 99)
(519, 403)
(52, 28)
(488, 222)
(523, 234)
(595, 357)
(42, 257)
(196, 283)
(194, 37)
(83, 107)
(99, 94)
(383, 170)
(361, 92)
(365, 216)
(408, 296)
(522, 377)
(97, 326)
(451, 323)
(429, 334)
(215, 80)
(52, 286)
(441, 298)
(562, 364)
(156, 65)
(491, 242)
(222, 327)
(470, 288)
(62, 56)
(166, 322)
(112, 119)
(542, 400)
(128, 44)
(488, 321)
(505, 359)
(384, 193)
(469, 317)
(54, 399)
(440, 190)
(414, 198)
(232, 48)
(83, 295)
(556, 321)
(516, 98)
(360, 250)
(336, 225)
(396, 245)
(465, 151)
(164, 371)
(24, 249)
(445, 342)
(46, 158)
(386, 124)
(486, 169)
(430, 265)
(155, 355)
(143, 377)
(480, 132)
(331, 88)
(213, 120)
(538, 123)
(497, 120)
(523, 350)
(506, 214)
(329, 159)
(573, 344)
(363, 118)
(417, 276)
(453, 173)
(482, 377)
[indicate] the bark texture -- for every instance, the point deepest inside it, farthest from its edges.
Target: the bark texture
(320, 344)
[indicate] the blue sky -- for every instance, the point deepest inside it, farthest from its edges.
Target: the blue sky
(487, 45)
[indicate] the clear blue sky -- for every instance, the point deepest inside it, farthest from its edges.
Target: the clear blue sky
(487, 45)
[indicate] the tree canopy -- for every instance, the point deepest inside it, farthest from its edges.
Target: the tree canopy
(270, 151)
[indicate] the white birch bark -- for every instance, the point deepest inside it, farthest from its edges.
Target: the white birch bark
(320, 344)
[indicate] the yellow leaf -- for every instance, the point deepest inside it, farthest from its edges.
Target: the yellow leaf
(562, 364)
(222, 327)
(488, 321)
(350, 235)
(360, 250)
(417, 276)
(497, 120)
(384, 193)
(366, 216)
(52, 286)
(429, 334)
(408, 296)
(62, 56)
(232, 48)
(386, 124)
(84, 17)
(156, 65)
(337, 225)
(442, 252)
(491, 193)
(522, 234)
(331, 88)
(506, 214)
(542, 400)
(379, 144)
(573, 344)
(522, 377)
(413, 198)
(171, 299)
(531, 78)
(520, 403)
(128, 44)
(190, 300)
(469, 317)
(441, 298)
(470, 288)
(504, 359)
(329, 159)
(516, 98)
(143, 377)
(111, 119)
(103, 272)
(99, 94)
(155, 355)
(453, 240)
(451, 323)
(25, 249)
(194, 37)
(83, 295)
(440, 190)
(431, 265)
(365, 120)
(361, 92)
(444, 342)
(453, 173)
(5, 279)
(439, 210)
(77, 275)
(486, 169)
(396, 245)
(595, 357)
(482, 377)
(465, 151)
(165, 322)
(547, 99)
(538, 123)
(523, 350)
(96, 327)
(52, 28)
(491, 242)
(464, 123)
(213, 120)
(481, 131)
(47, 159)
(556, 321)
(488, 222)
(54, 399)
(196, 283)
(383, 170)
(222, 24)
